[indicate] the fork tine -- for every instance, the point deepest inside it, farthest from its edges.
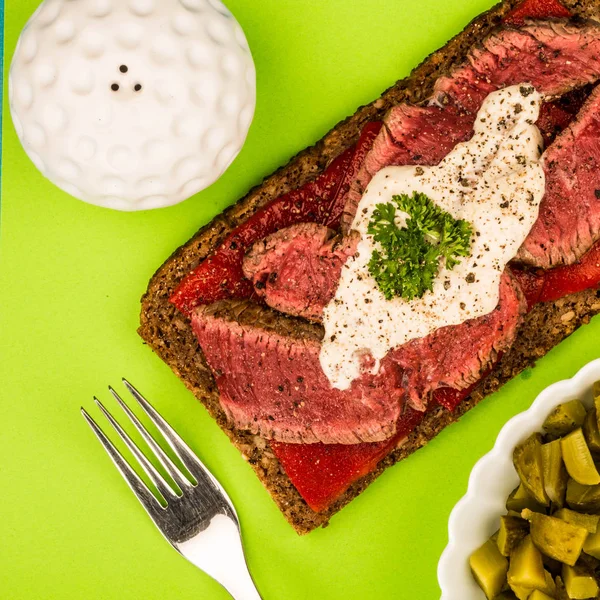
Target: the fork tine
(150, 503)
(162, 457)
(179, 447)
(161, 485)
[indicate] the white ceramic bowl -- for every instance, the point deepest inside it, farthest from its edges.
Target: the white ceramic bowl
(477, 514)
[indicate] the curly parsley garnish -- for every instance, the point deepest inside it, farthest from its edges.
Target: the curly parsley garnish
(410, 258)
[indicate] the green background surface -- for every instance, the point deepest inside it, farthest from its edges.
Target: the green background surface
(71, 277)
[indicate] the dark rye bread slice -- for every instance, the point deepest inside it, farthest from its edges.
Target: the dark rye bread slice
(169, 334)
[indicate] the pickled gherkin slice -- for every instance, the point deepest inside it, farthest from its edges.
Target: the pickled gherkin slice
(564, 418)
(591, 545)
(550, 587)
(556, 538)
(512, 532)
(555, 474)
(588, 522)
(519, 499)
(579, 583)
(585, 498)
(591, 431)
(526, 569)
(578, 459)
(527, 458)
(489, 568)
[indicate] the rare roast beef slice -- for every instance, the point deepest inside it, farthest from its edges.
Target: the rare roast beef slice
(569, 218)
(267, 369)
(428, 132)
(456, 356)
(270, 379)
(443, 359)
(411, 135)
(296, 270)
(555, 56)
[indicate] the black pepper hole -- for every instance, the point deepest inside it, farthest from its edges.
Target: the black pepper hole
(123, 69)
(114, 87)
(137, 87)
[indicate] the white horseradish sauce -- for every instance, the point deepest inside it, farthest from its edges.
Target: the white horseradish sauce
(495, 181)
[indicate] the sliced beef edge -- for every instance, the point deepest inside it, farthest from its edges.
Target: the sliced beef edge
(270, 380)
(569, 219)
(271, 383)
(296, 270)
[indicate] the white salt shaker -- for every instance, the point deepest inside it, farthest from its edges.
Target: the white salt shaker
(132, 104)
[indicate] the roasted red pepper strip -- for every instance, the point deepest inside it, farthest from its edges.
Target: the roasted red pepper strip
(322, 472)
(562, 281)
(365, 142)
(536, 9)
(220, 276)
(547, 286)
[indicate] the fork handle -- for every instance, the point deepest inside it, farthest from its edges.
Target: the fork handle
(237, 580)
(240, 585)
(218, 552)
(232, 573)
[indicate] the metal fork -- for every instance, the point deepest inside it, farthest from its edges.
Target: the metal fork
(199, 520)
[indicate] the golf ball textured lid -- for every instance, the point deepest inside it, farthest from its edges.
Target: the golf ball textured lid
(132, 104)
